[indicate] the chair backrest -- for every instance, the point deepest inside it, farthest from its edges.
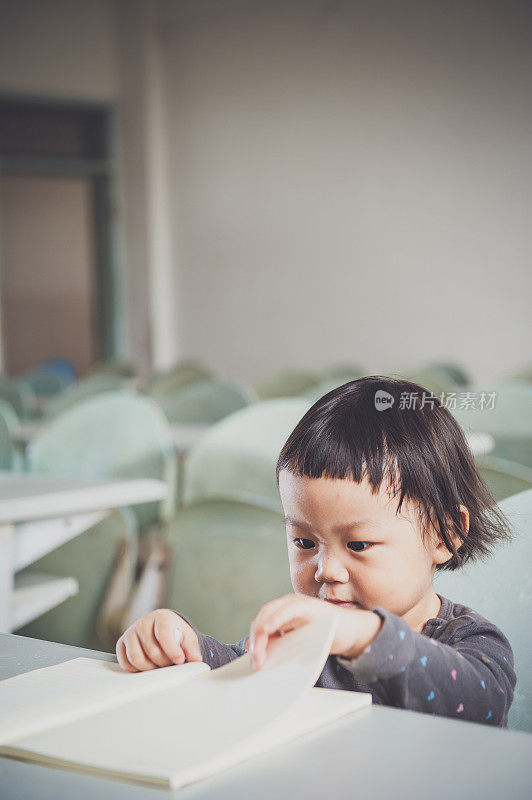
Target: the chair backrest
(112, 435)
(228, 560)
(289, 383)
(235, 459)
(455, 372)
(114, 367)
(88, 387)
(343, 372)
(165, 384)
(315, 392)
(206, 401)
(433, 378)
(20, 396)
(7, 449)
(45, 383)
(504, 478)
(508, 420)
(499, 589)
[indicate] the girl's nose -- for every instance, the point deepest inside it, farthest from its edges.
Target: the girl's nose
(331, 569)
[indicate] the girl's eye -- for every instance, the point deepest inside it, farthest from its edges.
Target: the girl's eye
(359, 546)
(304, 544)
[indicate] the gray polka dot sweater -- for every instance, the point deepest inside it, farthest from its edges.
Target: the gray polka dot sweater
(459, 666)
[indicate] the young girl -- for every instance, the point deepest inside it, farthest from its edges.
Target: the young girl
(378, 494)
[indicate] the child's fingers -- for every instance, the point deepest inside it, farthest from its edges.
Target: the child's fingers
(169, 635)
(135, 653)
(177, 639)
(272, 621)
(122, 657)
(152, 649)
(190, 645)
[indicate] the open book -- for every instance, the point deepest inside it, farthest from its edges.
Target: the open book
(175, 725)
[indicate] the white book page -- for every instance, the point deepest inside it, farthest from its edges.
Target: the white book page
(53, 695)
(178, 735)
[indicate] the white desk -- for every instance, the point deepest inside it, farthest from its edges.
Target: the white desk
(38, 514)
(375, 754)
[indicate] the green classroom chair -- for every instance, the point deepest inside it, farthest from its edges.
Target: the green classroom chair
(499, 589)
(522, 375)
(114, 367)
(343, 372)
(165, 384)
(112, 435)
(289, 383)
(503, 478)
(235, 459)
(7, 448)
(228, 559)
(205, 402)
(85, 389)
(509, 421)
(315, 392)
(45, 383)
(20, 396)
(456, 374)
(433, 379)
(229, 542)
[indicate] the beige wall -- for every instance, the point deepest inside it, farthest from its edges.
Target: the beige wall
(58, 47)
(351, 181)
(307, 181)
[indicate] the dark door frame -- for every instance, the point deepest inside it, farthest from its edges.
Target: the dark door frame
(102, 173)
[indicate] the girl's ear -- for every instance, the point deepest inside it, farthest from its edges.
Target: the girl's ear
(441, 553)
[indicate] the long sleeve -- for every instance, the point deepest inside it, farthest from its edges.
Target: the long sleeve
(463, 668)
(215, 653)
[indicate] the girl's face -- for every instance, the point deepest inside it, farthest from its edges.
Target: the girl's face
(347, 544)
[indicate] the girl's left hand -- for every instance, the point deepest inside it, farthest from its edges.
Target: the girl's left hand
(355, 627)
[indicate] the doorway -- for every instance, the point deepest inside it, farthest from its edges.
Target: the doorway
(57, 271)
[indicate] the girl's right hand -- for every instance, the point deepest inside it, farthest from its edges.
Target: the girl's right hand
(157, 640)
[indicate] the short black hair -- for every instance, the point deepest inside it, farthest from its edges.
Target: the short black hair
(421, 451)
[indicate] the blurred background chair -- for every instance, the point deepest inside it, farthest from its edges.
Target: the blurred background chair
(456, 374)
(116, 434)
(165, 384)
(503, 478)
(20, 396)
(509, 421)
(499, 589)
(434, 378)
(88, 387)
(204, 402)
(320, 389)
(235, 459)
(288, 383)
(229, 541)
(8, 454)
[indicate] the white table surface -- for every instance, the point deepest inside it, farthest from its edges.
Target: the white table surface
(376, 754)
(27, 496)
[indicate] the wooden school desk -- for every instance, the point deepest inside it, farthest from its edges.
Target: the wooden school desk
(377, 753)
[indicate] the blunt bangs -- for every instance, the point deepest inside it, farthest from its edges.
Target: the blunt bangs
(365, 429)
